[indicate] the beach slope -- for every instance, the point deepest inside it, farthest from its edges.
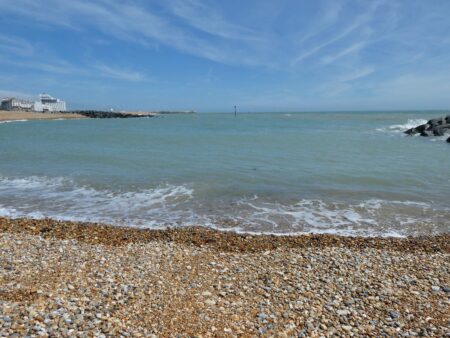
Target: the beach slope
(23, 115)
(65, 278)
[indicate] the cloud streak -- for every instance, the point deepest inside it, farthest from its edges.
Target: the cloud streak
(344, 52)
(15, 45)
(120, 74)
(354, 27)
(61, 67)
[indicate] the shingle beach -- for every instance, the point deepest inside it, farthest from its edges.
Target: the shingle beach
(82, 280)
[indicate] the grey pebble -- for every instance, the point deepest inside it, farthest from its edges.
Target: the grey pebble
(394, 314)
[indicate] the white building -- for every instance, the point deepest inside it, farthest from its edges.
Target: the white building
(12, 103)
(49, 103)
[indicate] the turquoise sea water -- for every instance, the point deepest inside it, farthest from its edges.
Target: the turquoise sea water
(348, 173)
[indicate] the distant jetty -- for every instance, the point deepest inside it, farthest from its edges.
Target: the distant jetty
(99, 114)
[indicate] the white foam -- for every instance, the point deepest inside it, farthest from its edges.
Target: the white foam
(398, 128)
(373, 217)
(308, 214)
(10, 121)
(170, 205)
(61, 198)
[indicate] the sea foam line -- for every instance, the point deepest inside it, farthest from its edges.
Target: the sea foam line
(397, 128)
(170, 205)
(10, 121)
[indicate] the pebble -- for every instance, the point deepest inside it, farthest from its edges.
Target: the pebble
(347, 328)
(210, 302)
(394, 314)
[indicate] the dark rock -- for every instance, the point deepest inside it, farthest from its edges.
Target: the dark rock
(446, 289)
(422, 127)
(437, 122)
(411, 131)
(434, 127)
(441, 130)
(418, 129)
(448, 140)
(438, 131)
(106, 114)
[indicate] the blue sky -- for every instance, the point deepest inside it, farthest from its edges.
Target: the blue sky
(284, 55)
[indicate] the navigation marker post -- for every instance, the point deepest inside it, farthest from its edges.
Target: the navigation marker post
(234, 111)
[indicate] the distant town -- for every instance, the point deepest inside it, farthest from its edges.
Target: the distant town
(46, 103)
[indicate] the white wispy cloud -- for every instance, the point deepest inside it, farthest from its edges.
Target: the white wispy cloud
(120, 74)
(207, 19)
(61, 67)
(356, 74)
(56, 67)
(354, 26)
(15, 45)
(344, 52)
(329, 16)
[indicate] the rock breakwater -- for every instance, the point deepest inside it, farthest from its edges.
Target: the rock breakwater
(435, 127)
(98, 114)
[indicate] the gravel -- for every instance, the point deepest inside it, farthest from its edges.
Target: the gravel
(67, 280)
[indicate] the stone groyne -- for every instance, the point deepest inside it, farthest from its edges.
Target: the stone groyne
(98, 114)
(434, 127)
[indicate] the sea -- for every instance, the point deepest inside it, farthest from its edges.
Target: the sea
(346, 173)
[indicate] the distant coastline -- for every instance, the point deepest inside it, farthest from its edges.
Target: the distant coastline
(18, 115)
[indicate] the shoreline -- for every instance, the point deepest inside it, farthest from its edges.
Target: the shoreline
(16, 116)
(12, 116)
(221, 240)
(81, 279)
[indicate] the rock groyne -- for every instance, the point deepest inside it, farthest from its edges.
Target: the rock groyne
(98, 114)
(434, 127)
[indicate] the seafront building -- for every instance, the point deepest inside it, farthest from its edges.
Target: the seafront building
(12, 103)
(46, 103)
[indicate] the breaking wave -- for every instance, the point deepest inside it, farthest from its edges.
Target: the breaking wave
(10, 121)
(61, 198)
(367, 218)
(398, 128)
(170, 205)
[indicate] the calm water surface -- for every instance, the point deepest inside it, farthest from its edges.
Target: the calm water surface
(347, 173)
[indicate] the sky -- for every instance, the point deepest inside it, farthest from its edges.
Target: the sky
(204, 55)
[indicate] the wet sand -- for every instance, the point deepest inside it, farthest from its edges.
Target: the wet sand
(22, 115)
(77, 279)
